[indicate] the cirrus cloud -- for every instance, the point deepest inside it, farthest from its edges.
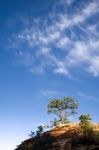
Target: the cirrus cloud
(63, 40)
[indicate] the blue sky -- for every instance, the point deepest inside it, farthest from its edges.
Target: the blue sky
(48, 49)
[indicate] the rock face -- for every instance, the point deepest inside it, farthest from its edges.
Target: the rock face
(62, 137)
(64, 144)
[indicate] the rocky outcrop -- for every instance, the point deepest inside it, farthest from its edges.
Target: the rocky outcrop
(63, 136)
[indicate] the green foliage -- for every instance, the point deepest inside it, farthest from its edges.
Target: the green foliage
(32, 134)
(39, 131)
(55, 122)
(85, 119)
(63, 108)
(85, 124)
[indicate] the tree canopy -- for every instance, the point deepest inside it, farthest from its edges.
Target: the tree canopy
(63, 108)
(84, 119)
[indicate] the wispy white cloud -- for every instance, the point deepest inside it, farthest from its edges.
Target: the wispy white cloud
(68, 41)
(91, 8)
(37, 70)
(94, 66)
(84, 96)
(49, 93)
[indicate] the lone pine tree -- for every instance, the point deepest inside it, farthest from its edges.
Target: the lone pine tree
(63, 108)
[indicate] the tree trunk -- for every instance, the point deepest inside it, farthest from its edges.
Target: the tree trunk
(62, 119)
